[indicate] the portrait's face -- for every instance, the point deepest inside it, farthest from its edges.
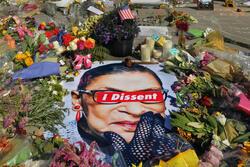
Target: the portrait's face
(121, 118)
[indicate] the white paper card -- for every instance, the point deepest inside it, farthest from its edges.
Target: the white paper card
(95, 10)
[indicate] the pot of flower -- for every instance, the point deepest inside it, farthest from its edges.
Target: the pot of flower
(116, 34)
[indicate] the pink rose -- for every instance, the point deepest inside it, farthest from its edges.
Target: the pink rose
(80, 44)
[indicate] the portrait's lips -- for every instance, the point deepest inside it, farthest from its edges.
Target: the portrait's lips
(128, 126)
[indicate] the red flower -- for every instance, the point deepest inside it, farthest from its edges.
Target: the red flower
(42, 26)
(182, 25)
(42, 48)
(51, 46)
(80, 44)
(52, 25)
(49, 34)
(56, 31)
(67, 38)
(207, 101)
(89, 43)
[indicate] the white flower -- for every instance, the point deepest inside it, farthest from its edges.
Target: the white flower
(226, 142)
(60, 50)
(83, 38)
(221, 118)
(46, 41)
(54, 92)
(72, 45)
(216, 138)
(56, 44)
(53, 81)
(7, 93)
(50, 88)
(75, 40)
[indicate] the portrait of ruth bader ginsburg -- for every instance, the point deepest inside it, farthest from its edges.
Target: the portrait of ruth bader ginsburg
(123, 110)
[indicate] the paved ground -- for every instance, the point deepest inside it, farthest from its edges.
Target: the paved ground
(235, 26)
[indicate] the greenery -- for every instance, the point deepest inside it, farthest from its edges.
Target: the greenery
(27, 107)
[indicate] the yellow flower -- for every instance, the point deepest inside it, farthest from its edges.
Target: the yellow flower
(74, 30)
(207, 76)
(43, 23)
(246, 147)
(195, 95)
(184, 134)
(195, 110)
(27, 53)
(20, 56)
(140, 165)
(4, 32)
(217, 113)
(28, 61)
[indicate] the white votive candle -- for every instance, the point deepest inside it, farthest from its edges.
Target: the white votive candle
(166, 47)
(145, 53)
(156, 54)
(150, 42)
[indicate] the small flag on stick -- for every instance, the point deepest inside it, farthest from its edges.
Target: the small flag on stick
(125, 13)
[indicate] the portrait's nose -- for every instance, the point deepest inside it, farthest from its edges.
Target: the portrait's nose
(135, 108)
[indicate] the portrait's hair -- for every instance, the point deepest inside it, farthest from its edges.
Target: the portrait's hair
(115, 68)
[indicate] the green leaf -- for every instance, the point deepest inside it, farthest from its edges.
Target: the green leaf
(42, 38)
(24, 46)
(242, 138)
(48, 148)
(230, 131)
(29, 41)
(240, 127)
(196, 125)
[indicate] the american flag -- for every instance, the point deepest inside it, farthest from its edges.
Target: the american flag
(125, 13)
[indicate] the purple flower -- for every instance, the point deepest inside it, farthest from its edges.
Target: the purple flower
(22, 122)
(9, 119)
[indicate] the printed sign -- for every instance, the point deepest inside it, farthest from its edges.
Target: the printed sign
(113, 97)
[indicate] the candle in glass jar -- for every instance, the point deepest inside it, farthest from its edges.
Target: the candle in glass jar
(156, 54)
(145, 53)
(166, 47)
(150, 42)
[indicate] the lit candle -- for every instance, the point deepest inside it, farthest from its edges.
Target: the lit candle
(166, 47)
(156, 54)
(145, 53)
(150, 42)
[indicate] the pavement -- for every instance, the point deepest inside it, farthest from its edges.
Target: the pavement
(235, 26)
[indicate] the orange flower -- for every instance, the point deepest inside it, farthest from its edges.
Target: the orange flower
(28, 61)
(89, 43)
(10, 41)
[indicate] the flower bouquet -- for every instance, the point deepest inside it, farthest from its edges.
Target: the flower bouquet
(182, 22)
(112, 30)
(209, 108)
